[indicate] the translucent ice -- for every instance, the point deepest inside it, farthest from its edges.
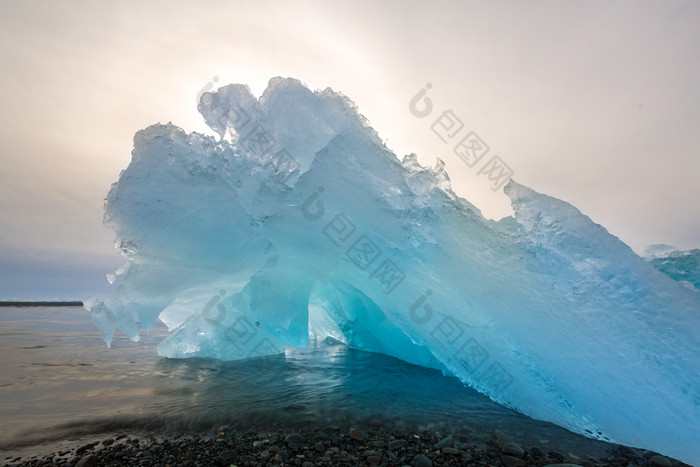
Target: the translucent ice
(299, 223)
(683, 266)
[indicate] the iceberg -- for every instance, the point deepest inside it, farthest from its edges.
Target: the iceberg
(299, 224)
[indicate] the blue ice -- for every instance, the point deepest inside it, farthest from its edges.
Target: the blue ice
(299, 223)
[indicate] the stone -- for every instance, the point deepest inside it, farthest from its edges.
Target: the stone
(421, 461)
(397, 444)
(357, 435)
(660, 461)
(556, 455)
(500, 438)
(513, 449)
(86, 447)
(510, 461)
(444, 442)
(294, 438)
(400, 429)
(450, 451)
(626, 451)
(87, 461)
(481, 447)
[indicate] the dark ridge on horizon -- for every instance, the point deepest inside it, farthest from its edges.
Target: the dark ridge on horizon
(41, 303)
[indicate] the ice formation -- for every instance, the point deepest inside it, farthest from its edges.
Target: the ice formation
(683, 266)
(299, 223)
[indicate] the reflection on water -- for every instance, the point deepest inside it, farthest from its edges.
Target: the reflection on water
(60, 380)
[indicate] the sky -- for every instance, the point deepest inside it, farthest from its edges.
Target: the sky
(593, 102)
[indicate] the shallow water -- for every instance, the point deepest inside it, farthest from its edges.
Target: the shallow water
(59, 381)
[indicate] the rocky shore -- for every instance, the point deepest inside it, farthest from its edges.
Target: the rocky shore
(332, 446)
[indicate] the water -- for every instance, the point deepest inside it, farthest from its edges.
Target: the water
(59, 382)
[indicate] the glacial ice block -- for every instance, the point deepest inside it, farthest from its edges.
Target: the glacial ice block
(299, 223)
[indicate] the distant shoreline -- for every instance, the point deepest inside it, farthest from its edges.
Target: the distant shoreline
(40, 303)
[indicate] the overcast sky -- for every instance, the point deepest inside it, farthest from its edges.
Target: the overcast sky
(594, 102)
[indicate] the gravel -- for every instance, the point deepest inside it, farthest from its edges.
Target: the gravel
(326, 446)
